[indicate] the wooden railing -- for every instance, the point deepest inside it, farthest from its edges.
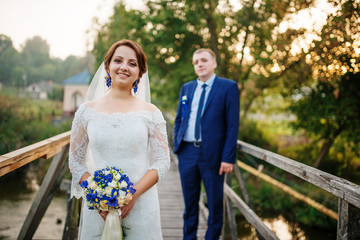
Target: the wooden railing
(347, 192)
(58, 146)
(44, 149)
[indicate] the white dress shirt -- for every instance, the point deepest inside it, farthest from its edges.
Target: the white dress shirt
(190, 130)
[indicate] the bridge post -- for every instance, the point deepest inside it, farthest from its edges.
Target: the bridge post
(73, 212)
(45, 194)
(229, 211)
(348, 227)
(245, 194)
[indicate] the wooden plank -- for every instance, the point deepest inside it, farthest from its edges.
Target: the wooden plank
(70, 230)
(249, 214)
(342, 225)
(348, 227)
(339, 187)
(46, 148)
(228, 206)
(45, 194)
(172, 206)
(289, 190)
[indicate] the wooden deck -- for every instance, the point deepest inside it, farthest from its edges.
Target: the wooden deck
(172, 206)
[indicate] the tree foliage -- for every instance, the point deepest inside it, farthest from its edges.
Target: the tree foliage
(9, 59)
(246, 41)
(26, 121)
(327, 112)
(329, 89)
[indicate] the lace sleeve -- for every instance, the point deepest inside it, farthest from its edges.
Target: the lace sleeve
(77, 152)
(160, 156)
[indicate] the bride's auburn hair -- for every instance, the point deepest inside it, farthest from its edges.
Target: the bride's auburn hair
(139, 52)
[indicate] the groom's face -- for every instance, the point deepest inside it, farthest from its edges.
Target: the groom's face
(204, 65)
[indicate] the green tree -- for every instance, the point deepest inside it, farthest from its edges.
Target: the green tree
(73, 65)
(330, 100)
(327, 112)
(35, 54)
(9, 59)
(10, 125)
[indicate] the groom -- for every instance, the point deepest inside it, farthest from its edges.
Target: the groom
(205, 136)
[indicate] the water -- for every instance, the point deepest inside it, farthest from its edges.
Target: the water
(13, 215)
(283, 229)
(16, 196)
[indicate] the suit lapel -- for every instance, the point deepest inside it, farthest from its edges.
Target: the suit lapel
(212, 93)
(190, 93)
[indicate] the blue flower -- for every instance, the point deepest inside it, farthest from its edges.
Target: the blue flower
(109, 177)
(97, 176)
(114, 193)
(112, 202)
(84, 184)
(92, 197)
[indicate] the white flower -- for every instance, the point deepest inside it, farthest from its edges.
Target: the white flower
(93, 185)
(117, 176)
(100, 190)
(106, 172)
(122, 194)
(123, 184)
(112, 184)
(108, 191)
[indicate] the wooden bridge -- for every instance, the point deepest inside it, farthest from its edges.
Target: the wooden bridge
(171, 201)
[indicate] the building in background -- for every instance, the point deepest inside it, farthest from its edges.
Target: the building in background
(40, 90)
(75, 89)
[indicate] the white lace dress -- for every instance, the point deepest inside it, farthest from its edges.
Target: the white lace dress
(134, 142)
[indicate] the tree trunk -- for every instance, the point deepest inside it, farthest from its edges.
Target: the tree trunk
(324, 151)
(326, 147)
(213, 32)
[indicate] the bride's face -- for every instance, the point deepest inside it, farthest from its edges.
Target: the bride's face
(124, 67)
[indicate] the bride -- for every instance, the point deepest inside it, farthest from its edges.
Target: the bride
(118, 127)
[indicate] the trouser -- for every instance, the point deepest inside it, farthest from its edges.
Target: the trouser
(193, 169)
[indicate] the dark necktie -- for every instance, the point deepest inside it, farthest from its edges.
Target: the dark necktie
(198, 115)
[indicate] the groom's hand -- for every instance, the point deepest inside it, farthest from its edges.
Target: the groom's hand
(225, 168)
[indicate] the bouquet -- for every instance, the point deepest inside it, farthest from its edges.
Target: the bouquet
(108, 190)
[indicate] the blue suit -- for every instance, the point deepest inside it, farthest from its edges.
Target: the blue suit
(219, 131)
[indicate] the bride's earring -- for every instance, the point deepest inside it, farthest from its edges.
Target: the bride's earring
(108, 80)
(136, 85)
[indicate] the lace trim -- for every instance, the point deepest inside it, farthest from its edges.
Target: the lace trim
(117, 118)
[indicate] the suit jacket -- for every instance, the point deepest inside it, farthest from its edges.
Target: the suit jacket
(219, 122)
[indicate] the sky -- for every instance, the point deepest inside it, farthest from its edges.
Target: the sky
(62, 23)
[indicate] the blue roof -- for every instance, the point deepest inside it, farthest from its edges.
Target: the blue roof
(82, 78)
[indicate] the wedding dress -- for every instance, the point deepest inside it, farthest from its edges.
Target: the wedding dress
(122, 140)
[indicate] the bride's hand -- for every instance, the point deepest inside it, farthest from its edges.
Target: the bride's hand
(103, 214)
(126, 209)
